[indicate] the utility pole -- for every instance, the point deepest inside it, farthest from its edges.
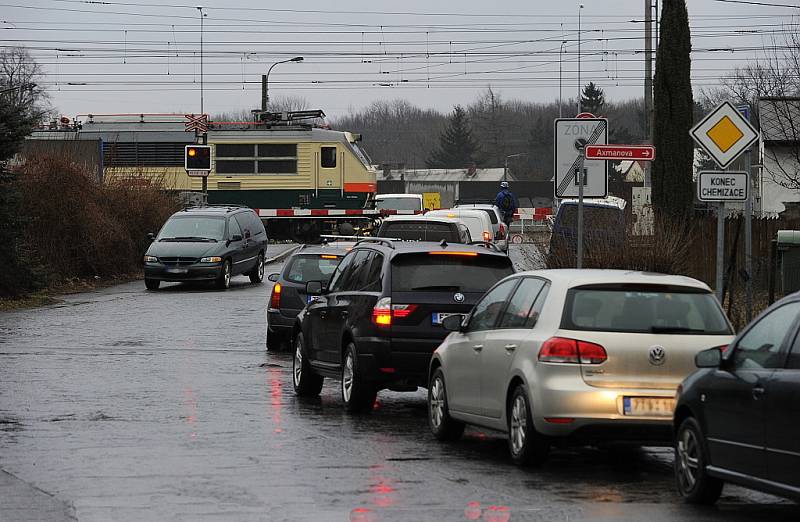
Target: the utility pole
(648, 77)
(580, 8)
(203, 138)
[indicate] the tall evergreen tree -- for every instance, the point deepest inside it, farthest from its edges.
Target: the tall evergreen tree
(592, 99)
(673, 191)
(457, 148)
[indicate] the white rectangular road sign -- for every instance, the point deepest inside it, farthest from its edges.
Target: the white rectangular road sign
(197, 173)
(724, 133)
(722, 186)
(571, 136)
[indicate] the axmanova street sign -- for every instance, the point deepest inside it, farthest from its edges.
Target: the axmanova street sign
(722, 186)
(621, 152)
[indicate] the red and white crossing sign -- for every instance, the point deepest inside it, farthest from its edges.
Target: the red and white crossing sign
(197, 123)
(620, 152)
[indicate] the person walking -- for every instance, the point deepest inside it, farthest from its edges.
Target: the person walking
(506, 201)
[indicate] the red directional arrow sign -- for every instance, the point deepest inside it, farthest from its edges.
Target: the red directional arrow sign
(620, 152)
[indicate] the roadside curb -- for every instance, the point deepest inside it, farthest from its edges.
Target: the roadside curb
(282, 255)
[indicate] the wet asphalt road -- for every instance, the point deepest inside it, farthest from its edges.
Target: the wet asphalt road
(124, 404)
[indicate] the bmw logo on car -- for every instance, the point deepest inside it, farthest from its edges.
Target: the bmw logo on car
(657, 355)
(458, 297)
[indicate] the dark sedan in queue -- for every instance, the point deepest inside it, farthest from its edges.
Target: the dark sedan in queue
(737, 418)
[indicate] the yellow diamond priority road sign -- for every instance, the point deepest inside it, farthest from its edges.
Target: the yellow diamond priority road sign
(724, 133)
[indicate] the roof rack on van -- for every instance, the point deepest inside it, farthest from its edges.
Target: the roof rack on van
(231, 207)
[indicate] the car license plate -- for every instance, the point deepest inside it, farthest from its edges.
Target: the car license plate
(438, 317)
(177, 270)
(648, 406)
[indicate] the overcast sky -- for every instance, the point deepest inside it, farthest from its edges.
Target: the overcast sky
(132, 56)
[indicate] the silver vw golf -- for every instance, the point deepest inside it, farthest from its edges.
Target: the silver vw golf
(582, 356)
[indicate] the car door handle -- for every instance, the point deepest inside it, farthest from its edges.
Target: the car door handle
(344, 313)
(511, 347)
(323, 314)
(478, 347)
(758, 391)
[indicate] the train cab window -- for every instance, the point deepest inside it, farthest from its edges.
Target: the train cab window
(328, 157)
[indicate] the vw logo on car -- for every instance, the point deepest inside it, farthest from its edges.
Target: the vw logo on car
(657, 355)
(458, 297)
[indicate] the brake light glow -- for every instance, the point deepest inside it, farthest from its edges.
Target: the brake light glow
(403, 310)
(502, 233)
(325, 256)
(487, 236)
(445, 253)
(559, 420)
(572, 351)
(275, 298)
(382, 312)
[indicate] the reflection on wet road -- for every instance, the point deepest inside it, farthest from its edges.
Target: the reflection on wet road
(125, 404)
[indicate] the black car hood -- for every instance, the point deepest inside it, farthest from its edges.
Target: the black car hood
(184, 248)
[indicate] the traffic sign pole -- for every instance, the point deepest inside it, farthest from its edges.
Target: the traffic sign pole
(720, 248)
(748, 239)
(579, 175)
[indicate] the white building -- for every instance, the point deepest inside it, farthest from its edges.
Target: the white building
(779, 120)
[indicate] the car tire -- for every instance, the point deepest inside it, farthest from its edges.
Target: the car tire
(223, 280)
(152, 284)
(358, 395)
(526, 446)
(691, 456)
(442, 425)
(275, 342)
(257, 273)
(306, 383)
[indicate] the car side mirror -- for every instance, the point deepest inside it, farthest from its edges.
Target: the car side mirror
(273, 277)
(453, 323)
(236, 237)
(151, 236)
(314, 288)
(711, 358)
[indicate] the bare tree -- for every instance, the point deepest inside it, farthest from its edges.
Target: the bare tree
(23, 103)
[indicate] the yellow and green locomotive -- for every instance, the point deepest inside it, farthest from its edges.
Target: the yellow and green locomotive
(303, 179)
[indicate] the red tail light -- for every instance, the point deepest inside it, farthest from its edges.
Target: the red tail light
(275, 298)
(403, 310)
(487, 236)
(562, 350)
(502, 233)
(382, 313)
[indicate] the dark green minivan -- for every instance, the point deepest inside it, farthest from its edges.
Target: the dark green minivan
(208, 243)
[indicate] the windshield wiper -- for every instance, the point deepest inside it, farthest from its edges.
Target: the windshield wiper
(674, 329)
(189, 238)
(454, 288)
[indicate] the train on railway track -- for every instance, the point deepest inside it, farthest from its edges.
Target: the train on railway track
(303, 178)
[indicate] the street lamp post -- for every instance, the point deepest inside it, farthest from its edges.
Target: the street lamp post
(202, 15)
(505, 167)
(265, 82)
(580, 7)
(560, 55)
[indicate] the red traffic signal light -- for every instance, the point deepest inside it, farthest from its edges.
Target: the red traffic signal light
(197, 157)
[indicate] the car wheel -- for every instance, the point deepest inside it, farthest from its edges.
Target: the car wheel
(257, 274)
(275, 342)
(152, 284)
(527, 446)
(691, 457)
(358, 395)
(306, 382)
(224, 278)
(443, 426)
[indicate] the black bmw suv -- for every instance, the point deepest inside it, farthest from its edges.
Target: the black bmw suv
(379, 320)
(210, 243)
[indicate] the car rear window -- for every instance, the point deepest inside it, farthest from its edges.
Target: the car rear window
(456, 273)
(312, 267)
(672, 310)
(492, 215)
(420, 231)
